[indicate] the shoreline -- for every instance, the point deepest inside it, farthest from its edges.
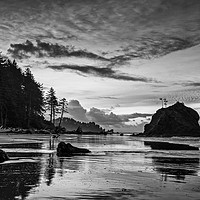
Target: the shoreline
(109, 175)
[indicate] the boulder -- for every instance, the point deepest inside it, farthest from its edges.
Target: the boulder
(64, 149)
(175, 120)
(3, 156)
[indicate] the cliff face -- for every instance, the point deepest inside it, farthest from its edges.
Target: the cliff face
(176, 120)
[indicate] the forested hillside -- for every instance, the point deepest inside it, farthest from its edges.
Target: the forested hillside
(21, 97)
(71, 125)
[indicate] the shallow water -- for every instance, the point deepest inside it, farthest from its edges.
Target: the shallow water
(119, 167)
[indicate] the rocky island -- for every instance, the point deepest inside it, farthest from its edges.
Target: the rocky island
(175, 120)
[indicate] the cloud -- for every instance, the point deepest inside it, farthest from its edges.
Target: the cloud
(102, 97)
(128, 123)
(99, 116)
(45, 49)
(135, 115)
(162, 45)
(104, 72)
(77, 111)
(101, 22)
(152, 47)
(106, 118)
(107, 97)
(94, 114)
(186, 95)
(144, 48)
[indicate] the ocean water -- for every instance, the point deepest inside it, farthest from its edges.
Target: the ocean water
(118, 167)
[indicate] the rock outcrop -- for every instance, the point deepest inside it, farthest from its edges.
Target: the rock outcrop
(3, 156)
(175, 120)
(64, 149)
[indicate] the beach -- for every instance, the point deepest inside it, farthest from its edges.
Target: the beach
(118, 167)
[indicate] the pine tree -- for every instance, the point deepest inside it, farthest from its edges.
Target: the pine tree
(33, 94)
(21, 97)
(52, 103)
(3, 106)
(64, 105)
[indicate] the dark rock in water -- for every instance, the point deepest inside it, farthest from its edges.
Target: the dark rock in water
(176, 120)
(3, 156)
(64, 149)
(169, 146)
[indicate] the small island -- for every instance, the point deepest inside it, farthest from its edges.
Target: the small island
(176, 120)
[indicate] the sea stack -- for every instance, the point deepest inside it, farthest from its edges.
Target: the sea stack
(175, 120)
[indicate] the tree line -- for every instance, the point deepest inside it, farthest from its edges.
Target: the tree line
(73, 125)
(23, 102)
(22, 99)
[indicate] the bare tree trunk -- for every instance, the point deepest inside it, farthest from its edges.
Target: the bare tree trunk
(61, 117)
(54, 115)
(1, 116)
(28, 112)
(51, 112)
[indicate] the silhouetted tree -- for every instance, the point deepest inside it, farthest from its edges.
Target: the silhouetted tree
(33, 93)
(52, 103)
(72, 125)
(21, 97)
(63, 105)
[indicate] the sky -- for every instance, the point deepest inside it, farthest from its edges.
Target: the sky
(111, 59)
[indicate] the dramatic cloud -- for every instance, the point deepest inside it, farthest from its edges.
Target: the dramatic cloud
(77, 111)
(99, 116)
(144, 48)
(129, 123)
(103, 72)
(44, 49)
(156, 46)
(108, 120)
(171, 25)
(137, 42)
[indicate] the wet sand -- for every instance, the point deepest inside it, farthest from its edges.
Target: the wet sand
(117, 168)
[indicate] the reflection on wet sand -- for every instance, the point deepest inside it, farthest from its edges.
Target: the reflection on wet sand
(49, 169)
(30, 145)
(117, 168)
(176, 167)
(68, 164)
(19, 176)
(24, 154)
(97, 139)
(17, 179)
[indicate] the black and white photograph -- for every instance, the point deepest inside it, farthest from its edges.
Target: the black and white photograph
(99, 99)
